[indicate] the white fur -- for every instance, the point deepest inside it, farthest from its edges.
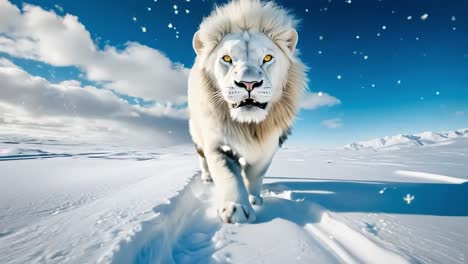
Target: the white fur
(247, 31)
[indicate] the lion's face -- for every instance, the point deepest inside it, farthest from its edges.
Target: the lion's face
(250, 71)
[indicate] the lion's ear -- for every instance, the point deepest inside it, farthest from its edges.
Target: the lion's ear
(293, 39)
(197, 43)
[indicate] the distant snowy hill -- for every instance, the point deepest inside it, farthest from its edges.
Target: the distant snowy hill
(398, 141)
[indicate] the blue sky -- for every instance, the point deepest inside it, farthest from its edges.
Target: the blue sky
(394, 69)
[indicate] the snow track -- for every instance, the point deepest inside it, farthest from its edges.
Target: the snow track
(180, 232)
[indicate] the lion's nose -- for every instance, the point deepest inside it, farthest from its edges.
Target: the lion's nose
(249, 86)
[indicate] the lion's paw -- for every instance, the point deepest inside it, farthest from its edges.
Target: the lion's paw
(231, 213)
(206, 178)
(255, 200)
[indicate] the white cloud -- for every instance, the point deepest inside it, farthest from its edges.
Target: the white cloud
(333, 123)
(30, 103)
(320, 99)
(136, 70)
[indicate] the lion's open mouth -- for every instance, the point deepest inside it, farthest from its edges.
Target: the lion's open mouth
(250, 102)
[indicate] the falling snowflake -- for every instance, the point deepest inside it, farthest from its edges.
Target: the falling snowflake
(348, 1)
(408, 198)
(399, 81)
(453, 18)
(320, 37)
(143, 29)
(149, 8)
(170, 25)
(373, 85)
(175, 6)
(358, 37)
(378, 34)
(320, 94)
(338, 77)
(409, 17)
(176, 11)
(384, 27)
(437, 93)
(366, 57)
(424, 16)
(134, 19)
(319, 52)
(307, 10)
(187, 11)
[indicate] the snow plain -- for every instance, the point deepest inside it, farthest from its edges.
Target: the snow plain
(64, 202)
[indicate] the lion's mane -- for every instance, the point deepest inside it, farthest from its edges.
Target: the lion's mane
(276, 23)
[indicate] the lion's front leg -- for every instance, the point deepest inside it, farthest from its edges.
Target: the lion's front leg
(232, 197)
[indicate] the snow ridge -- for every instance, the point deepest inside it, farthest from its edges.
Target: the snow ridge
(415, 140)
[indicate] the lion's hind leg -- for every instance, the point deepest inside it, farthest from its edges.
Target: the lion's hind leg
(253, 179)
(206, 176)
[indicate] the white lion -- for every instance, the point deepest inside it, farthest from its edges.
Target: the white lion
(244, 92)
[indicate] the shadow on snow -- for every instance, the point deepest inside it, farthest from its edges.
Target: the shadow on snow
(438, 199)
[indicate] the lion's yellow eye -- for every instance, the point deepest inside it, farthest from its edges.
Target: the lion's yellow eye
(267, 58)
(227, 58)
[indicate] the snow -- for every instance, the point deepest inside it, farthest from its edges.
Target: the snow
(74, 202)
(431, 176)
(408, 198)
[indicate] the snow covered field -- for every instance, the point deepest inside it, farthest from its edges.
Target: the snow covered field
(81, 203)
